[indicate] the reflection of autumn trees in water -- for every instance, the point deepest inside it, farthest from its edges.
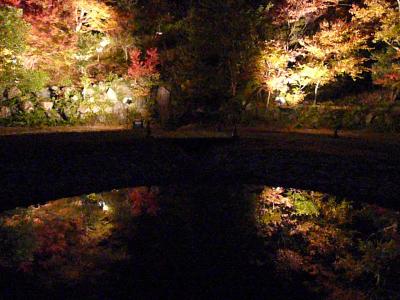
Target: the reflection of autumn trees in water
(63, 237)
(347, 252)
(331, 247)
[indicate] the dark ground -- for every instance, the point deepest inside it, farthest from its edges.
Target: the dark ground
(36, 168)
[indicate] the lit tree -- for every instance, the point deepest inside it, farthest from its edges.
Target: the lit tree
(51, 42)
(380, 19)
(124, 41)
(332, 52)
(143, 71)
(67, 38)
(273, 72)
(145, 67)
(312, 50)
(225, 41)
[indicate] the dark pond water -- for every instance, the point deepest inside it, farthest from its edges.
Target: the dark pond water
(247, 242)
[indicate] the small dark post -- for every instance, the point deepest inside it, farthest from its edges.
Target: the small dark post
(337, 128)
(338, 125)
(235, 133)
(335, 134)
(148, 129)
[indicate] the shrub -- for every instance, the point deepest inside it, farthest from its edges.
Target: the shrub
(33, 80)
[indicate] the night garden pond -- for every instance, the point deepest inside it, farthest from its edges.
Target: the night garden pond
(204, 242)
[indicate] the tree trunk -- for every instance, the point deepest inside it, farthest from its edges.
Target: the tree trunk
(126, 53)
(233, 74)
(268, 99)
(79, 20)
(393, 97)
(233, 88)
(316, 93)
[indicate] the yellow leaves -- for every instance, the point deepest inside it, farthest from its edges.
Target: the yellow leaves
(348, 66)
(314, 74)
(274, 72)
(384, 16)
(390, 30)
(276, 60)
(295, 97)
(373, 10)
(333, 51)
(335, 41)
(316, 51)
(5, 52)
(92, 15)
(6, 58)
(287, 71)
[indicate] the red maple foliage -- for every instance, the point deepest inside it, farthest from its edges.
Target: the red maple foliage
(55, 236)
(143, 201)
(36, 8)
(143, 67)
(15, 3)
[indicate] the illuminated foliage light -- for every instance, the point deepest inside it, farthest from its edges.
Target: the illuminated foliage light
(58, 28)
(287, 72)
(380, 21)
(92, 15)
(293, 10)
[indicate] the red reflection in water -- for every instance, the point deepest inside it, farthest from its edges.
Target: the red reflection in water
(144, 200)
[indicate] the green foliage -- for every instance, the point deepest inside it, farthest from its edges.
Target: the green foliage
(271, 216)
(88, 43)
(17, 240)
(13, 32)
(379, 118)
(305, 207)
(28, 81)
(33, 81)
(386, 70)
(36, 118)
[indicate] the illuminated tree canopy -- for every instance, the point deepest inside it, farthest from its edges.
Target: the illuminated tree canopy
(67, 37)
(211, 55)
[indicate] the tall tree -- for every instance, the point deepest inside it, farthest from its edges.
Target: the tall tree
(380, 20)
(68, 37)
(312, 47)
(226, 38)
